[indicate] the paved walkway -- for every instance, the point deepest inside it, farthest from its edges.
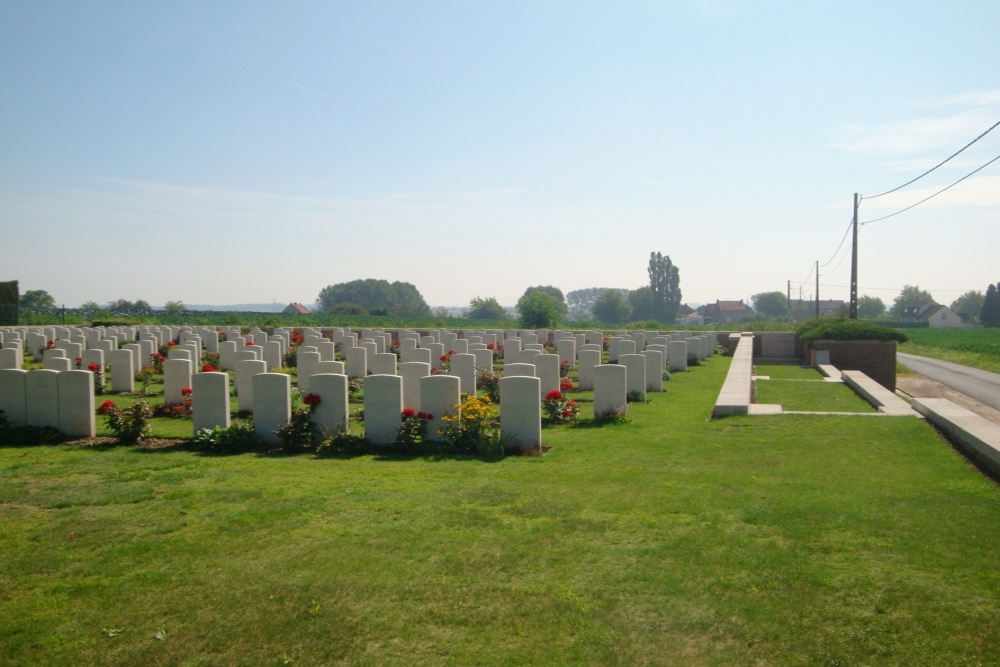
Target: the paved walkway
(982, 386)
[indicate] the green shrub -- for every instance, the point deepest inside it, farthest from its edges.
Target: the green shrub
(344, 444)
(825, 328)
(130, 425)
(237, 438)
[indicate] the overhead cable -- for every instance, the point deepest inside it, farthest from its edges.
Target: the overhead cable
(848, 231)
(935, 194)
(933, 168)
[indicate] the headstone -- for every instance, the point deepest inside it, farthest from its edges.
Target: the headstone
(227, 355)
(331, 415)
(272, 407)
(484, 360)
(566, 349)
(122, 371)
(176, 376)
(437, 352)
(519, 370)
(13, 395)
(272, 354)
(521, 415)
(76, 404)
(57, 363)
(463, 366)
(383, 363)
(209, 401)
(547, 371)
(41, 389)
(335, 367)
(610, 394)
(589, 359)
(636, 369)
(678, 355)
(654, 370)
(417, 355)
(357, 362)
(439, 395)
(245, 370)
(383, 407)
(9, 357)
(306, 366)
(411, 372)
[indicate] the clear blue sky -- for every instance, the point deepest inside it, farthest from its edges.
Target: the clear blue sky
(219, 152)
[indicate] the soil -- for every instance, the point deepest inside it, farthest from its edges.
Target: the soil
(919, 386)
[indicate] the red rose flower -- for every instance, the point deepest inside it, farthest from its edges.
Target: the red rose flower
(409, 412)
(93, 367)
(186, 391)
(490, 346)
(566, 384)
(105, 407)
(208, 368)
(554, 395)
(312, 400)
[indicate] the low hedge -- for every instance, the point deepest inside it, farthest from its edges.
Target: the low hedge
(841, 329)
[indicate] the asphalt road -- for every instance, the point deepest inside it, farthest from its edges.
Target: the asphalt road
(980, 385)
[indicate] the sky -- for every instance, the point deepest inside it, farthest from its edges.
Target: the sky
(222, 153)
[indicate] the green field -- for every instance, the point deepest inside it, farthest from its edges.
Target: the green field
(669, 540)
(978, 348)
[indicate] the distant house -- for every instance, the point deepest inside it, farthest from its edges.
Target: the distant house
(688, 316)
(936, 315)
(726, 312)
(799, 309)
(295, 309)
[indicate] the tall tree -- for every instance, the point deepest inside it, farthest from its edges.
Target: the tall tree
(377, 297)
(581, 301)
(37, 299)
(773, 304)
(870, 307)
(174, 307)
(664, 283)
(989, 315)
(554, 292)
(969, 304)
(611, 307)
(538, 309)
(641, 301)
(485, 309)
(909, 294)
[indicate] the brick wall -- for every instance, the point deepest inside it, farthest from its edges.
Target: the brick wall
(874, 358)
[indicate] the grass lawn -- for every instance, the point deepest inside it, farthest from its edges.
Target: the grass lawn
(802, 389)
(978, 348)
(669, 540)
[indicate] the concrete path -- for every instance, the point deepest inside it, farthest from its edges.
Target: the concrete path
(983, 386)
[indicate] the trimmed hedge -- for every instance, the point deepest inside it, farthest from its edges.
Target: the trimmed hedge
(841, 329)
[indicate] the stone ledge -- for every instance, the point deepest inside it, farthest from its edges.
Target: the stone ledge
(830, 373)
(880, 397)
(734, 398)
(977, 437)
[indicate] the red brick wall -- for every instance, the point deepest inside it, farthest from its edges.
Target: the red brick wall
(874, 358)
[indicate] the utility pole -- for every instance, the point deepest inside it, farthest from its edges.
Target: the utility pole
(817, 288)
(854, 263)
(788, 293)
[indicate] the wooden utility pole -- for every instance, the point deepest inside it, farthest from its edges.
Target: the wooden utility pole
(817, 288)
(854, 263)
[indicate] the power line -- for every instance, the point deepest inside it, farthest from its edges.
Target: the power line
(933, 168)
(846, 232)
(935, 194)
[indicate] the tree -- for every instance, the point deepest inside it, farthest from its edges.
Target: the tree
(910, 294)
(664, 283)
(174, 307)
(969, 304)
(538, 309)
(377, 297)
(486, 309)
(641, 301)
(90, 305)
(581, 301)
(141, 305)
(121, 305)
(37, 299)
(870, 307)
(611, 307)
(772, 304)
(554, 292)
(989, 315)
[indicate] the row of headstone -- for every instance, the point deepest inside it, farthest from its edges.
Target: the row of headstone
(60, 399)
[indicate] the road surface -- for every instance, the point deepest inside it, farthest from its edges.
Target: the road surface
(983, 386)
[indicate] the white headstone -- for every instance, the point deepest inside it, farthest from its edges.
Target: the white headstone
(209, 401)
(76, 404)
(13, 395)
(331, 415)
(383, 407)
(521, 414)
(439, 395)
(272, 407)
(42, 398)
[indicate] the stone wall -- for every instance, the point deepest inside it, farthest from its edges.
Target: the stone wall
(874, 358)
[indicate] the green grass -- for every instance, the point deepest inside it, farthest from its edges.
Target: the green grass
(787, 372)
(978, 348)
(670, 540)
(810, 396)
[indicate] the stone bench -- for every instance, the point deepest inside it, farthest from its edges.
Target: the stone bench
(832, 373)
(734, 398)
(977, 437)
(881, 398)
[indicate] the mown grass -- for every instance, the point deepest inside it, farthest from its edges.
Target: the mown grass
(810, 396)
(978, 348)
(669, 540)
